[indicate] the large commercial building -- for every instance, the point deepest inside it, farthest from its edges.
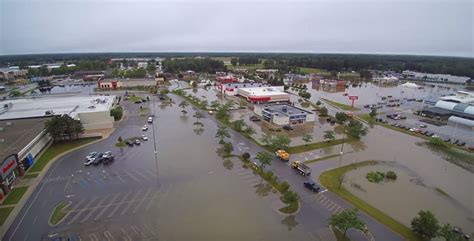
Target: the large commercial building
(230, 88)
(124, 83)
(284, 114)
(92, 111)
(457, 109)
(412, 75)
(12, 73)
(264, 94)
(21, 141)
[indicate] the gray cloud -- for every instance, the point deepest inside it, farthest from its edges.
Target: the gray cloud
(376, 26)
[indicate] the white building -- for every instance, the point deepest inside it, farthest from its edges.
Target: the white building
(264, 94)
(435, 77)
(92, 111)
(284, 114)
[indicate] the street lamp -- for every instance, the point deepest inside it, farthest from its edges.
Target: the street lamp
(154, 138)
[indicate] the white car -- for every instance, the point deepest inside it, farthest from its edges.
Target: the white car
(145, 138)
(92, 154)
(145, 128)
(150, 119)
(89, 162)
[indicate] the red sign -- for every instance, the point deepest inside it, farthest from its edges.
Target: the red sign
(8, 166)
(353, 97)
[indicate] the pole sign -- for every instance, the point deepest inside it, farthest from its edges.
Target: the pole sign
(353, 97)
(8, 165)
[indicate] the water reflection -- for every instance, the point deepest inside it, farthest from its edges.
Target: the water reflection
(263, 189)
(198, 131)
(358, 145)
(228, 164)
(290, 222)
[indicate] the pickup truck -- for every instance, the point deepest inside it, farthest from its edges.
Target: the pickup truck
(301, 168)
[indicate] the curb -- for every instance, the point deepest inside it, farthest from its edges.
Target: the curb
(62, 219)
(293, 213)
(19, 206)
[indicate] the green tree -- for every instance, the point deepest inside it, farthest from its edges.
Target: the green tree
(183, 105)
(280, 143)
(151, 68)
(239, 125)
(242, 103)
(341, 117)
(60, 127)
(290, 197)
(318, 103)
(246, 155)
(222, 112)
(425, 226)
(198, 115)
(215, 104)
(355, 129)
(117, 113)
(329, 135)
(227, 148)
(249, 131)
(222, 133)
(15, 93)
(233, 61)
(307, 138)
(347, 219)
(438, 142)
(447, 232)
(373, 112)
(323, 111)
(265, 159)
(266, 139)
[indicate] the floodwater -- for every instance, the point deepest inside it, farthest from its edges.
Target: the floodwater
(208, 200)
(410, 189)
(420, 172)
(371, 93)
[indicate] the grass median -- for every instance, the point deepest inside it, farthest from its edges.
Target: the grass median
(58, 213)
(340, 105)
(14, 196)
(317, 145)
(330, 179)
(4, 212)
(57, 149)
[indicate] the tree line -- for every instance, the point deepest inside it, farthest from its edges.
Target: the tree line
(207, 65)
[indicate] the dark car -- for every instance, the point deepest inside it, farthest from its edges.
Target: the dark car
(447, 140)
(129, 143)
(254, 118)
(138, 102)
(288, 127)
(312, 186)
(98, 159)
(461, 144)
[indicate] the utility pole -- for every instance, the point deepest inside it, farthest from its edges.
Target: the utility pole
(342, 153)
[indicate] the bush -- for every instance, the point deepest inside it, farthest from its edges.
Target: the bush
(268, 175)
(375, 176)
(120, 139)
(284, 186)
(391, 175)
(246, 155)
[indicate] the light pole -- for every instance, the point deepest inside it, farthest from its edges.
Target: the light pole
(341, 153)
(155, 151)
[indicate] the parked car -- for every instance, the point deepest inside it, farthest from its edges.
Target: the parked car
(447, 140)
(145, 128)
(137, 142)
(129, 143)
(150, 119)
(254, 118)
(423, 126)
(471, 148)
(138, 102)
(91, 155)
(461, 143)
(312, 186)
(288, 127)
(210, 112)
(145, 138)
(88, 162)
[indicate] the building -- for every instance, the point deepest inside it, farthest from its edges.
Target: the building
(284, 114)
(92, 111)
(460, 105)
(412, 75)
(12, 73)
(230, 88)
(264, 94)
(124, 83)
(21, 142)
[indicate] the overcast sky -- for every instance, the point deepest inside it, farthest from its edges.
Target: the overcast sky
(433, 27)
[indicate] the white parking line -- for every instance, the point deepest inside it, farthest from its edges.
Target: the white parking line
(109, 236)
(107, 206)
(127, 238)
(95, 208)
(129, 204)
(82, 210)
(140, 203)
(118, 205)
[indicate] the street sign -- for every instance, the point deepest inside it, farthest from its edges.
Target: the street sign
(353, 97)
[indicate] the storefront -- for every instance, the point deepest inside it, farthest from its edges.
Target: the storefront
(9, 173)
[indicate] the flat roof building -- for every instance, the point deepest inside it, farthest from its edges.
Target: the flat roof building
(264, 94)
(284, 114)
(92, 111)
